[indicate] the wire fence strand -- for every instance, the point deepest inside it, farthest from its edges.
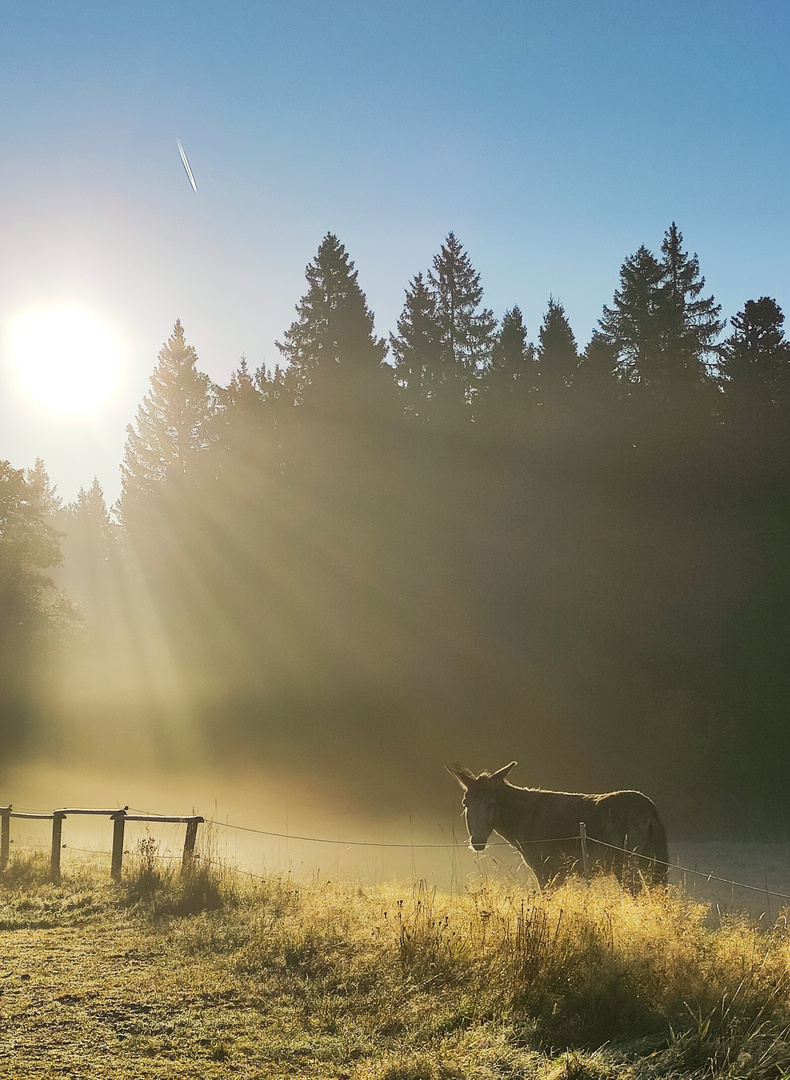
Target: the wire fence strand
(456, 845)
(372, 843)
(687, 870)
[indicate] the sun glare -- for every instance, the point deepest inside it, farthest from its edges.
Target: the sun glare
(65, 360)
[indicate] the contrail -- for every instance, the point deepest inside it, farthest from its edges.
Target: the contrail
(186, 165)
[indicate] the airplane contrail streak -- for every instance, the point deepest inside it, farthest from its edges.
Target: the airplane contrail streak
(186, 165)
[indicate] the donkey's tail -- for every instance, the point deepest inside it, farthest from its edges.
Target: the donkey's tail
(659, 853)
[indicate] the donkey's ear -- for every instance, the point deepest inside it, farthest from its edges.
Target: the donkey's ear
(462, 775)
(502, 773)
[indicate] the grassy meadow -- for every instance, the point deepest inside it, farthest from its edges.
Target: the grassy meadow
(218, 974)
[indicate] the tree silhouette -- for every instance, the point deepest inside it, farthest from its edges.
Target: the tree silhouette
(32, 614)
(598, 376)
(334, 356)
(417, 347)
(755, 358)
(689, 323)
(172, 425)
(509, 383)
(661, 330)
(755, 378)
(88, 546)
(243, 426)
(29, 542)
(596, 400)
(631, 327)
(557, 354)
(43, 493)
(512, 357)
(464, 329)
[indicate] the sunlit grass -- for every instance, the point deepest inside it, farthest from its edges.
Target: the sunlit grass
(216, 974)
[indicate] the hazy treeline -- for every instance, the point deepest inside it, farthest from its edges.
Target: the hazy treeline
(456, 542)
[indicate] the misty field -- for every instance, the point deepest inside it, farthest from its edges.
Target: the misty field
(222, 975)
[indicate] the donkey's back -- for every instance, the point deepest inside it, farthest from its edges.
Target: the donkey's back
(628, 821)
(624, 831)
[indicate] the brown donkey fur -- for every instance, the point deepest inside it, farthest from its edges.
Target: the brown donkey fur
(625, 834)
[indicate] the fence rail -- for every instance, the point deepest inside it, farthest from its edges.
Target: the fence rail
(119, 817)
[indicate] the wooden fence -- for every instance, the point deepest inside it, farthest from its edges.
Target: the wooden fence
(118, 818)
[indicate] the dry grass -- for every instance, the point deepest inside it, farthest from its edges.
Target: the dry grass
(214, 976)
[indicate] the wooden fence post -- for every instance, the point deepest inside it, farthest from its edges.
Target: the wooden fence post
(585, 854)
(118, 820)
(5, 835)
(57, 837)
(189, 844)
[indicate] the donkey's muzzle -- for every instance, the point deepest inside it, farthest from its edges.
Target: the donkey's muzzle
(479, 845)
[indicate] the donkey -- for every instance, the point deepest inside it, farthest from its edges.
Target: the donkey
(625, 833)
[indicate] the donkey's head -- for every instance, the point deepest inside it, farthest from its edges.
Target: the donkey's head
(480, 798)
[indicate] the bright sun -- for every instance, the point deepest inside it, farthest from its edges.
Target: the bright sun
(66, 360)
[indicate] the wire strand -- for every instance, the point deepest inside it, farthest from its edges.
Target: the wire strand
(345, 843)
(687, 870)
(454, 846)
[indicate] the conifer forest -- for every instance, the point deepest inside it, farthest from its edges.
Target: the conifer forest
(468, 539)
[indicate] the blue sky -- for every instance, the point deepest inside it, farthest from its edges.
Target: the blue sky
(552, 137)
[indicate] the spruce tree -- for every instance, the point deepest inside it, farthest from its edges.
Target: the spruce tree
(557, 353)
(661, 329)
(241, 411)
(88, 547)
(689, 323)
(465, 330)
(32, 613)
(246, 441)
(89, 516)
(333, 353)
(509, 384)
(173, 422)
(596, 398)
(512, 357)
(416, 347)
(631, 327)
(29, 541)
(43, 493)
(597, 376)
